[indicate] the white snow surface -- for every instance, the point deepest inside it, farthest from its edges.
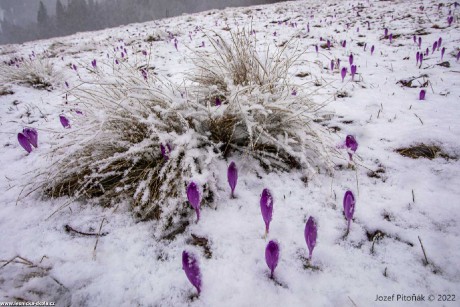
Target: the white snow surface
(412, 198)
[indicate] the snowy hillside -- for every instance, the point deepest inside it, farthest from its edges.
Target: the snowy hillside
(96, 251)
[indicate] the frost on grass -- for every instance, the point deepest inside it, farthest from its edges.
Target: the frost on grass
(114, 152)
(254, 108)
(37, 72)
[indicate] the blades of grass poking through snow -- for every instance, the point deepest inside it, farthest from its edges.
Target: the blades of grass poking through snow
(272, 252)
(24, 142)
(422, 95)
(310, 235)
(349, 207)
(192, 270)
(232, 176)
(31, 135)
(193, 195)
(266, 207)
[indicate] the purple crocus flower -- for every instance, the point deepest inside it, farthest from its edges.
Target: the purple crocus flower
(218, 101)
(450, 19)
(443, 50)
(344, 73)
(64, 121)
(144, 74)
(310, 235)
(427, 51)
(415, 39)
(116, 61)
(24, 142)
(372, 49)
(294, 92)
(175, 43)
(192, 270)
(165, 151)
(386, 32)
(144, 52)
(328, 44)
(332, 65)
(344, 43)
(439, 42)
(266, 207)
(232, 176)
(193, 196)
(391, 38)
(435, 45)
(350, 59)
(74, 67)
(417, 57)
(351, 144)
(421, 58)
(316, 48)
(422, 94)
(93, 63)
(458, 56)
(32, 135)
(67, 84)
(353, 72)
(419, 42)
(349, 207)
(272, 253)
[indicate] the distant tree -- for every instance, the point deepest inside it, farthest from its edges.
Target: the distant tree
(42, 15)
(61, 27)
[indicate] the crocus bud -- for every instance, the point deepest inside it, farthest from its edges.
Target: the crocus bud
(442, 52)
(349, 207)
(316, 48)
(193, 196)
(419, 41)
(350, 59)
(417, 57)
(232, 176)
(332, 65)
(372, 49)
(435, 45)
(32, 135)
(343, 73)
(328, 44)
(310, 235)
(351, 144)
(24, 142)
(64, 121)
(266, 207)
(439, 42)
(218, 101)
(421, 96)
(386, 32)
(192, 270)
(272, 252)
(353, 71)
(93, 63)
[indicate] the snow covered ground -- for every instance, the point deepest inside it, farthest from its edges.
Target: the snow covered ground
(398, 199)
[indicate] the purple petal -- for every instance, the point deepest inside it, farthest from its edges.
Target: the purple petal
(310, 234)
(192, 270)
(24, 142)
(349, 206)
(193, 196)
(64, 121)
(232, 176)
(272, 252)
(266, 207)
(32, 135)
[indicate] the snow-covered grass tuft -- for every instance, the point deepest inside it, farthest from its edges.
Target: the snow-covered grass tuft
(253, 106)
(37, 72)
(114, 152)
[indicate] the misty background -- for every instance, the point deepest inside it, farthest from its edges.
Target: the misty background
(27, 20)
